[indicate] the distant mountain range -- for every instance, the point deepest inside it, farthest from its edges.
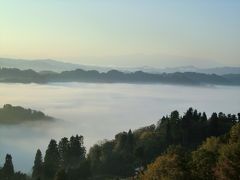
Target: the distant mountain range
(58, 66)
(40, 65)
(115, 76)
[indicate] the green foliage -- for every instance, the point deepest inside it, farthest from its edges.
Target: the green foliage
(76, 151)
(172, 165)
(51, 160)
(113, 158)
(178, 147)
(228, 165)
(61, 175)
(202, 164)
(7, 172)
(216, 159)
(72, 152)
(38, 166)
(82, 172)
(212, 144)
(65, 160)
(130, 150)
(235, 134)
(8, 169)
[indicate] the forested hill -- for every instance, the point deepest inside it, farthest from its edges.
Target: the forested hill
(114, 76)
(192, 147)
(16, 114)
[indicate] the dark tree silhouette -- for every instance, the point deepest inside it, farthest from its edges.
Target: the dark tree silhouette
(76, 150)
(63, 148)
(8, 169)
(38, 166)
(51, 160)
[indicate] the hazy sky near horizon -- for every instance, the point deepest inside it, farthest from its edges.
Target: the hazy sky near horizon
(123, 32)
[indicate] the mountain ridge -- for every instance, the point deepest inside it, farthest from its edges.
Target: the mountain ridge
(59, 66)
(115, 76)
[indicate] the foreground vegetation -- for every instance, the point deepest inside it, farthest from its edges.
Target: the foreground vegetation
(191, 146)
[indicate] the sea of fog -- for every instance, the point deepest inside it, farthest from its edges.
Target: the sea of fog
(98, 111)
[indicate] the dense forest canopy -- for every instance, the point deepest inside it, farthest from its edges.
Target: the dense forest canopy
(191, 146)
(115, 76)
(15, 114)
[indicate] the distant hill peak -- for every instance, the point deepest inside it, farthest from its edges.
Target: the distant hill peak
(10, 114)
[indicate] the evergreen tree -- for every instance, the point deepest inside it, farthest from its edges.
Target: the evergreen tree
(214, 125)
(61, 175)
(174, 115)
(130, 141)
(8, 169)
(204, 117)
(186, 126)
(51, 160)
(64, 153)
(38, 165)
(76, 151)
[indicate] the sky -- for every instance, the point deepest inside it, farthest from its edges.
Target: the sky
(123, 33)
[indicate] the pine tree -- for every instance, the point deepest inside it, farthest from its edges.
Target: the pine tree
(130, 141)
(76, 150)
(8, 169)
(214, 125)
(63, 148)
(51, 160)
(38, 165)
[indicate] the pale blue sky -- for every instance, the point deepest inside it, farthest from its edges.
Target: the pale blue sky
(123, 32)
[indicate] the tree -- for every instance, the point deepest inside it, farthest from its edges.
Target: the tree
(63, 148)
(61, 175)
(76, 151)
(8, 169)
(235, 134)
(94, 157)
(51, 160)
(228, 165)
(19, 176)
(82, 172)
(38, 166)
(212, 144)
(202, 164)
(214, 125)
(133, 150)
(171, 165)
(186, 125)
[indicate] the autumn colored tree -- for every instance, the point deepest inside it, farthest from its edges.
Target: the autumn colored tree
(228, 165)
(171, 165)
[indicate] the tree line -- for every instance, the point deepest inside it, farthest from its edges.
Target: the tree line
(10, 114)
(114, 76)
(191, 146)
(216, 158)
